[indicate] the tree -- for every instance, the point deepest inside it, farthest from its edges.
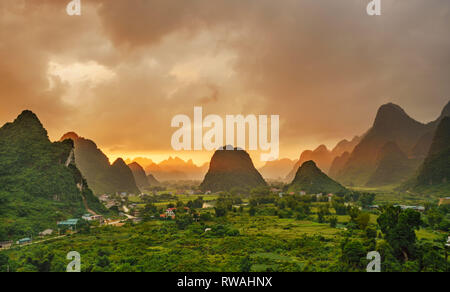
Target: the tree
(366, 200)
(4, 262)
(353, 253)
(220, 211)
(340, 209)
(363, 220)
(323, 211)
(399, 228)
(353, 212)
(252, 211)
(245, 265)
(149, 210)
(432, 261)
(42, 260)
(333, 221)
(183, 221)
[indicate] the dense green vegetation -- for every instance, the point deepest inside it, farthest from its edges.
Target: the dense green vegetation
(36, 187)
(257, 231)
(244, 226)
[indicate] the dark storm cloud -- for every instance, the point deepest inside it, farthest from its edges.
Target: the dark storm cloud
(323, 65)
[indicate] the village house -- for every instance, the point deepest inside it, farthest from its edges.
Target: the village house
(24, 241)
(46, 232)
(6, 244)
(111, 204)
(330, 197)
(90, 217)
(416, 208)
(170, 213)
(70, 224)
(103, 198)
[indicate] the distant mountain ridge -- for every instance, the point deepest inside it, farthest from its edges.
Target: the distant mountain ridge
(323, 157)
(172, 169)
(102, 177)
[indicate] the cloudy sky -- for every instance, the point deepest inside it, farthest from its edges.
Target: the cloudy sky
(118, 73)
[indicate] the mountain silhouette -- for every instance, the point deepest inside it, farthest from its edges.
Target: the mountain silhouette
(323, 157)
(230, 169)
(310, 179)
(123, 177)
(102, 177)
(391, 124)
(142, 181)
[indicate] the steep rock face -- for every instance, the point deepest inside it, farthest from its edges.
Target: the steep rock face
(277, 170)
(310, 179)
(435, 170)
(139, 175)
(393, 166)
(102, 177)
(338, 164)
(231, 169)
(391, 124)
(38, 182)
